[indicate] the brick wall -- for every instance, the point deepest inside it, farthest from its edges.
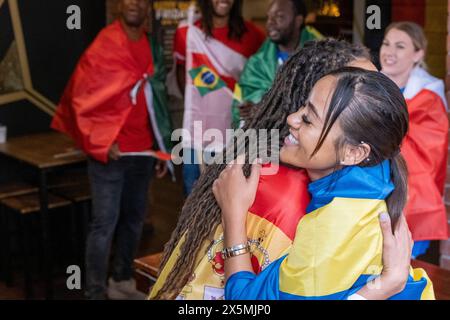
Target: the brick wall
(435, 20)
(411, 10)
(445, 245)
(433, 15)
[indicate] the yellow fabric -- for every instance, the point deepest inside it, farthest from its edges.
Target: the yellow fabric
(207, 283)
(334, 245)
(350, 237)
(428, 292)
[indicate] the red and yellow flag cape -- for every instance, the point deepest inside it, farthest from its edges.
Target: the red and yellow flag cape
(281, 201)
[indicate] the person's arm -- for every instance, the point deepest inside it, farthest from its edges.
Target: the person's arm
(397, 249)
(161, 169)
(234, 205)
(114, 152)
(179, 48)
(235, 194)
(246, 110)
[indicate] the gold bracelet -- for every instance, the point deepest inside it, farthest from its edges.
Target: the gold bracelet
(235, 251)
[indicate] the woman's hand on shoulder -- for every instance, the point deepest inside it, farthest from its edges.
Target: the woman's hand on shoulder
(397, 250)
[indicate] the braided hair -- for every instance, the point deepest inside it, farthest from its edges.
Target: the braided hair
(201, 214)
(236, 21)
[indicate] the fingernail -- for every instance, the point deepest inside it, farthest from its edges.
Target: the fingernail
(384, 216)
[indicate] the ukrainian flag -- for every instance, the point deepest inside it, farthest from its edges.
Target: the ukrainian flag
(206, 80)
(338, 244)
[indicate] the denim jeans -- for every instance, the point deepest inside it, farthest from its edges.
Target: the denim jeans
(191, 167)
(191, 170)
(119, 205)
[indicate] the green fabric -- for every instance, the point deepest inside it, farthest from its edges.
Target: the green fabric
(160, 99)
(260, 70)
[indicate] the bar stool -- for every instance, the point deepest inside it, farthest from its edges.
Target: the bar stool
(9, 190)
(74, 178)
(80, 197)
(23, 207)
(146, 271)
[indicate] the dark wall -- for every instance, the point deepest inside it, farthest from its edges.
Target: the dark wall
(23, 117)
(374, 38)
(53, 50)
(6, 31)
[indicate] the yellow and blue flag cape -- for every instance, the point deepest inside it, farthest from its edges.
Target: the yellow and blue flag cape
(337, 247)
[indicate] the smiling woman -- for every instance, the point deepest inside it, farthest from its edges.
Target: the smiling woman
(220, 13)
(425, 148)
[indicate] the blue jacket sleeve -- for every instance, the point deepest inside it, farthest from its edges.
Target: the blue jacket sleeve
(246, 285)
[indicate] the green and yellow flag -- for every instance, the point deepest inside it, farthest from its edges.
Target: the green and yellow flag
(206, 80)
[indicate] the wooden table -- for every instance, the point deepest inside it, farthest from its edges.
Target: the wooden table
(146, 271)
(440, 278)
(43, 152)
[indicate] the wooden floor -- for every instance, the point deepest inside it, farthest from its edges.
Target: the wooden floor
(166, 199)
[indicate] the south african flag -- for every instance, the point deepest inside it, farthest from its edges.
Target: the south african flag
(206, 80)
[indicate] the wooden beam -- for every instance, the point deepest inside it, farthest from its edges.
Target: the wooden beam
(12, 97)
(50, 105)
(20, 43)
(38, 103)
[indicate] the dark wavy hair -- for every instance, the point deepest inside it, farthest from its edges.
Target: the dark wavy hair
(371, 109)
(236, 23)
(201, 214)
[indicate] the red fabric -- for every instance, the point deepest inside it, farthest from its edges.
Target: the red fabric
(425, 152)
(282, 198)
(96, 101)
(247, 45)
(136, 134)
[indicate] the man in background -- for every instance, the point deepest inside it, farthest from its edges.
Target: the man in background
(287, 32)
(113, 106)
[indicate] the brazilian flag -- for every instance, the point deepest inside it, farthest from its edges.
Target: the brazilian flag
(206, 80)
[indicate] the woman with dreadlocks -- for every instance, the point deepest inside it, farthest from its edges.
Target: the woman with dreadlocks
(192, 264)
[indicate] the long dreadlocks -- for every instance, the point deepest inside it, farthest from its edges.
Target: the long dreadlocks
(201, 215)
(236, 22)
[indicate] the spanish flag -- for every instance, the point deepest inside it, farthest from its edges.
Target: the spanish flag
(337, 247)
(281, 201)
